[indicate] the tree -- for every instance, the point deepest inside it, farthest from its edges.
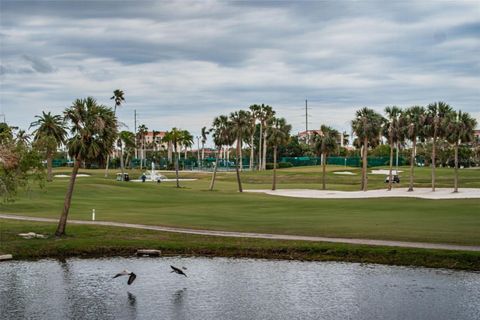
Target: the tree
(118, 97)
(177, 137)
(20, 163)
(367, 126)
(255, 113)
(222, 136)
(204, 134)
(278, 135)
(239, 126)
(412, 124)
(325, 144)
(187, 142)
(434, 127)
(393, 132)
(93, 134)
(141, 134)
(460, 128)
(267, 113)
(126, 139)
(49, 135)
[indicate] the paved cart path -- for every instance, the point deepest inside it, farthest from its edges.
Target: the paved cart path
(388, 243)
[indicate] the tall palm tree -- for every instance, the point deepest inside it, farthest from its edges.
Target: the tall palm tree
(204, 133)
(436, 114)
(239, 126)
(393, 132)
(326, 143)
(222, 136)
(177, 138)
(50, 134)
(367, 126)
(141, 134)
(128, 140)
(278, 135)
(255, 111)
(93, 134)
(187, 141)
(118, 97)
(460, 128)
(267, 114)
(413, 127)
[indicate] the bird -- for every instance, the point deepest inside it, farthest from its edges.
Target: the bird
(178, 271)
(127, 273)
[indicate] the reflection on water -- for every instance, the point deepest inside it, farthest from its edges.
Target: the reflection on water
(222, 288)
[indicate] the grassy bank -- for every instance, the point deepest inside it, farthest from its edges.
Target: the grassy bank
(91, 241)
(418, 220)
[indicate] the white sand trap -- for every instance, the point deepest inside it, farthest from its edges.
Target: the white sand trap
(385, 172)
(163, 180)
(424, 193)
(348, 173)
(68, 176)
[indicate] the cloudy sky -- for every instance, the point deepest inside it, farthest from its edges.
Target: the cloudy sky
(182, 63)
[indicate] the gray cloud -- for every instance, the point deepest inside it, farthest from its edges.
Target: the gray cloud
(182, 63)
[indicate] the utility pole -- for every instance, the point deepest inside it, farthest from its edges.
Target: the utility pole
(198, 151)
(135, 130)
(306, 115)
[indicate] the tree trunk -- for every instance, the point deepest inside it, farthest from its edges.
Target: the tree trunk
(106, 165)
(455, 181)
(169, 152)
(260, 148)
(127, 158)
(274, 184)
(49, 167)
(365, 177)
(176, 167)
(433, 156)
(214, 175)
(252, 152)
(241, 157)
(412, 162)
(324, 165)
(121, 162)
(264, 160)
(62, 223)
(391, 166)
(237, 167)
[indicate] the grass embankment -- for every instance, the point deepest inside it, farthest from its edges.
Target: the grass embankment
(438, 221)
(91, 241)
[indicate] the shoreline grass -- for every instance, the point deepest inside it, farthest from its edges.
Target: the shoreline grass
(94, 241)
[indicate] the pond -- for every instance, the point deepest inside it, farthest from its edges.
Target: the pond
(221, 288)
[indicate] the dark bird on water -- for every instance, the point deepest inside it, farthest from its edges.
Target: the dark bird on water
(131, 275)
(177, 270)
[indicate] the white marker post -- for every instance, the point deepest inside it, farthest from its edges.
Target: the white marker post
(93, 214)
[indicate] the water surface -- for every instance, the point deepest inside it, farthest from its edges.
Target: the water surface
(221, 288)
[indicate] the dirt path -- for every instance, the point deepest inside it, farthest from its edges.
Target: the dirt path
(422, 245)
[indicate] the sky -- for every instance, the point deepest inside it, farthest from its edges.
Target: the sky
(181, 63)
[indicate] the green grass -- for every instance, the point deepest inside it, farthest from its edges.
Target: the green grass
(440, 221)
(101, 241)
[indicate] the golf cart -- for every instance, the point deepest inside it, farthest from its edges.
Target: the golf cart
(395, 178)
(125, 177)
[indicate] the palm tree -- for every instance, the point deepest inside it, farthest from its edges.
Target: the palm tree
(222, 135)
(177, 137)
(50, 134)
(393, 132)
(118, 99)
(204, 134)
(128, 139)
(436, 114)
(255, 111)
(187, 142)
(367, 126)
(460, 128)
(239, 125)
(94, 131)
(326, 143)
(267, 114)
(278, 135)
(142, 133)
(413, 127)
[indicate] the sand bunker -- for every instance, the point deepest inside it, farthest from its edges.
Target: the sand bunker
(344, 173)
(424, 193)
(68, 176)
(385, 172)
